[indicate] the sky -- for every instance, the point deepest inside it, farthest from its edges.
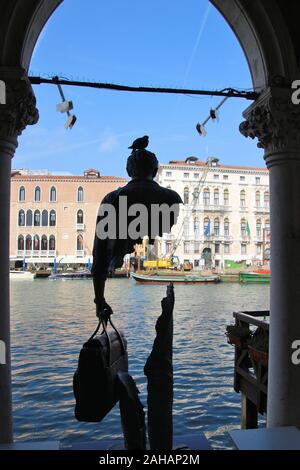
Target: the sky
(163, 43)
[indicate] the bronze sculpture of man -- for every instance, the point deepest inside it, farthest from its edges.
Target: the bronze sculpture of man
(142, 192)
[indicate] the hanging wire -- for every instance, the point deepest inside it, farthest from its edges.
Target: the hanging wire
(229, 92)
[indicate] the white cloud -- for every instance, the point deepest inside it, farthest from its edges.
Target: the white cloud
(109, 143)
(197, 43)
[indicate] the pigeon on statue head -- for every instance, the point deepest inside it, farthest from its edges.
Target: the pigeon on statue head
(140, 144)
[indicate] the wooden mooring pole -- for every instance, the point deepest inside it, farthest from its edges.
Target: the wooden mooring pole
(249, 414)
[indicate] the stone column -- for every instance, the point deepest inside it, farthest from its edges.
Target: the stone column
(18, 111)
(275, 121)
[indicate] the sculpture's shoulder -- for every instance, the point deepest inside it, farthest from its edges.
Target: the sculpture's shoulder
(172, 196)
(111, 197)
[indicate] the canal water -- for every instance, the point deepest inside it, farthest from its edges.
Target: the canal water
(52, 319)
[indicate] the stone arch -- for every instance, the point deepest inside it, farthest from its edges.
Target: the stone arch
(262, 32)
(21, 24)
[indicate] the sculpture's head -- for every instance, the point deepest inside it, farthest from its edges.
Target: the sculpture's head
(142, 164)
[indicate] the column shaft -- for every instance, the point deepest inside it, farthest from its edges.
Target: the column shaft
(19, 111)
(275, 121)
(284, 376)
(6, 429)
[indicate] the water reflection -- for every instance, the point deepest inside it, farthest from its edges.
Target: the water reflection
(51, 320)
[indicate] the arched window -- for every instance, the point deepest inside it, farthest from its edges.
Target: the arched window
(226, 227)
(186, 227)
(257, 199)
(80, 216)
(243, 198)
(243, 228)
(37, 219)
(28, 245)
(20, 243)
(22, 194)
(21, 218)
(266, 199)
(37, 194)
(206, 227)
(186, 196)
(53, 194)
(29, 218)
(44, 243)
(45, 218)
(52, 243)
(79, 243)
(226, 197)
(80, 194)
(196, 196)
(216, 227)
(36, 243)
(52, 218)
(206, 197)
(258, 228)
(216, 197)
(196, 227)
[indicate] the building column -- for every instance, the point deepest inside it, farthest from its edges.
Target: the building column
(18, 111)
(275, 121)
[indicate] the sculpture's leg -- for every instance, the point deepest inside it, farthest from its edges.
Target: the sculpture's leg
(159, 372)
(132, 413)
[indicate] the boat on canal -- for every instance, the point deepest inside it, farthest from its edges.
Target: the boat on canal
(42, 274)
(119, 273)
(260, 276)
(174, 279)
(21, 275)
(70, 275)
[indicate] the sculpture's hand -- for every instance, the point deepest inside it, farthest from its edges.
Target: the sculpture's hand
(102, 308)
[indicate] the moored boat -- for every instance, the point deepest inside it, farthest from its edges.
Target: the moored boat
(187, 279)
(70, 275)
(260, 276)
(21, 275)
(119, 273)
(42, 274)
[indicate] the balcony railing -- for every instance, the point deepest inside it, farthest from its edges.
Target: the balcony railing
(80, 226)
(262, 209)
(36, 253)
(244, 237)
(207, 208)
(80, 253)
(215, 238)
(215, 208)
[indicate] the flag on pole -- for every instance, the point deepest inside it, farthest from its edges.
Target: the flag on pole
(207, 230)
(248, 229)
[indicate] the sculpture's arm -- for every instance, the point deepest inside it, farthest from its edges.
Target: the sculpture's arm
(99, 272)
(99, 286)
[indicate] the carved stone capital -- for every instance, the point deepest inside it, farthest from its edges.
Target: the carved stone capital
(275, 121)
(20, 108)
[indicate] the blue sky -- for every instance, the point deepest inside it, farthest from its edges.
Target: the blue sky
(170, 43)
